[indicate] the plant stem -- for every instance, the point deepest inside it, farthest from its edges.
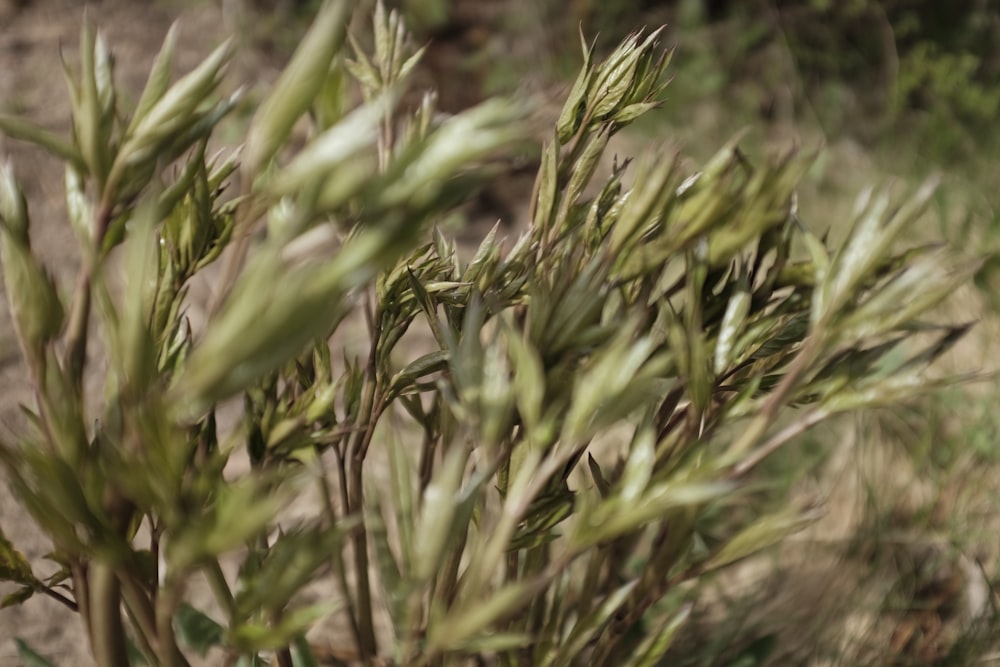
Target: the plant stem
(108, 632)
(367, 417)
(765, 418)
(219, 585)
(60, 598)
(143, 615)
(345, 589)
(366, 630)
(81, 592)
(166, 605)
(798, 427)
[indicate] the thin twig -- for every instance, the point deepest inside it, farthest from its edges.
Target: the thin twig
(357, 450)
(341, 572)
(59, 597)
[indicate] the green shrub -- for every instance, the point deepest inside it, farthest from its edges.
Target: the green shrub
(474, 492)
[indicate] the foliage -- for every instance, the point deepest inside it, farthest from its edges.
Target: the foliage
(911, 71)
(473, 493)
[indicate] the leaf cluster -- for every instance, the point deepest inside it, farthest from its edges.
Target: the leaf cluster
(464, 490)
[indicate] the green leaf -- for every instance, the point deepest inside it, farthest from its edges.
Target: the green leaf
(135, 656)
(496, 642)
(575, 107)
(240, 346)
(639, 465)
(13, 565)
(545, 513)
(173, 112)
(196, 630)
(261, 637)
(20, 129)
(472, 622)
(411, 62)
(759, 535)
(158, 80)
(496, 396)
(427, 305)
(615, 517)
(586, 628)
(644, 202)
(362, 69)
(88, 132)
(435, 524)
(609, 388)
(297, 87)
(302, 653)
(294, 559)
(253, 660)
(29, 657)
(136, 350)
(545, 185)
(481, 270)
(19, 596)
(356, 132)
(631, 112)
(34, 301)
(731, 327)
(875, 228)
(421, 367)
(529, 378)
(651, 650)
(389, 569)
(581, 174)
(385, 37)
(241, 509)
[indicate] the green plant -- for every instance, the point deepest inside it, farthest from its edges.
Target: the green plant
(473, 492)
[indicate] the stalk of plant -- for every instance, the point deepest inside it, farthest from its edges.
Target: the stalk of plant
(673, 304)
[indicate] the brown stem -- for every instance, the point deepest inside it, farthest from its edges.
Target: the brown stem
(368, 414)
(763, 421)
(798, 427)
(60, 598)
(341, 571)
(166, 605)
(284, 657)
(366, 630)
(107, 629)
(81, 591)
(223, 594)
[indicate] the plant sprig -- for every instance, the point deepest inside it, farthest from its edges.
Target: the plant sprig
(678, 307)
